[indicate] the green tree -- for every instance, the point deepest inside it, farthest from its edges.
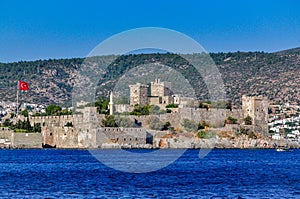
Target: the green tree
(37, 127)
(53, 110)
(102, 105)
(22, 126)
(7, 123)
(24, 113)
(26, 125)
(109, 121)
(19, 125)
(248, 120)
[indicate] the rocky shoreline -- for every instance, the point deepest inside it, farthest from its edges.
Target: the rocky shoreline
(220, 140)
(182, 142)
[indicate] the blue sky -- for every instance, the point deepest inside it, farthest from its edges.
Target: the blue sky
(31, 30)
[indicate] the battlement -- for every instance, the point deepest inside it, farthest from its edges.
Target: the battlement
(121, 129)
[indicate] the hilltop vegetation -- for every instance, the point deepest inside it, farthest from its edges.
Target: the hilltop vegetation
(257, 73)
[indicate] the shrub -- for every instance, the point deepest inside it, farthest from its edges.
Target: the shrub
(123, 122)
(171, 106)
(202, 125)
(141, 110)
(201, 134)
(248, 120)
(189, 125)
(167, 126)
(20, 131)
(109, 121)
(155, 123)
(230, 120)
(205, 135)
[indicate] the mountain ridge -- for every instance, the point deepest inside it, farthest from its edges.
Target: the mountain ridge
(254, 73)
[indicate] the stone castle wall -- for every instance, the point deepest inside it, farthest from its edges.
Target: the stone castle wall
(66, 137)
(27, 140)
(88, 133)
(21, 140)
(131, 136)
(215, 117)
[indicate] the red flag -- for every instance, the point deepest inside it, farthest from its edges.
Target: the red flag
(23, 86)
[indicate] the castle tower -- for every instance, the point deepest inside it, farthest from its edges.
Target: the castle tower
(257, 109)
(162, 90)
(111, 104)
(138, 94)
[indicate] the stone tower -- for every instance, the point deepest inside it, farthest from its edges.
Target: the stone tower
(257, 109)
(87, 126)
(159, 88)
(162, 90)
(138, 94)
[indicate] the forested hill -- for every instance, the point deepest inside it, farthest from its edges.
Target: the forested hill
(275, 75)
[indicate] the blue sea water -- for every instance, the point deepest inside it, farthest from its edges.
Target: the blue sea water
(221, 174)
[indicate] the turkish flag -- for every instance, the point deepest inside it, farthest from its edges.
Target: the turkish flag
(23, 86)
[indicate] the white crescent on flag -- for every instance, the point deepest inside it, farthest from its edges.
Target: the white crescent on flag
(23, 86)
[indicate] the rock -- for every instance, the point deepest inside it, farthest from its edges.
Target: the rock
(162, 143)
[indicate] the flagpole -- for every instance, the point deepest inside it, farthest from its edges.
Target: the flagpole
(17, 101)
(22, 86)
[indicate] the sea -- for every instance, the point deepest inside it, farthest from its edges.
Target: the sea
(221, 173)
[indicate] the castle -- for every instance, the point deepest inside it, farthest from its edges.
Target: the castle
(84, 129)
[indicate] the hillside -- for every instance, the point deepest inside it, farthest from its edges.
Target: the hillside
(275, 75)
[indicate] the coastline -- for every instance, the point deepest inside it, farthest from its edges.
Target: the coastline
(149, 147)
